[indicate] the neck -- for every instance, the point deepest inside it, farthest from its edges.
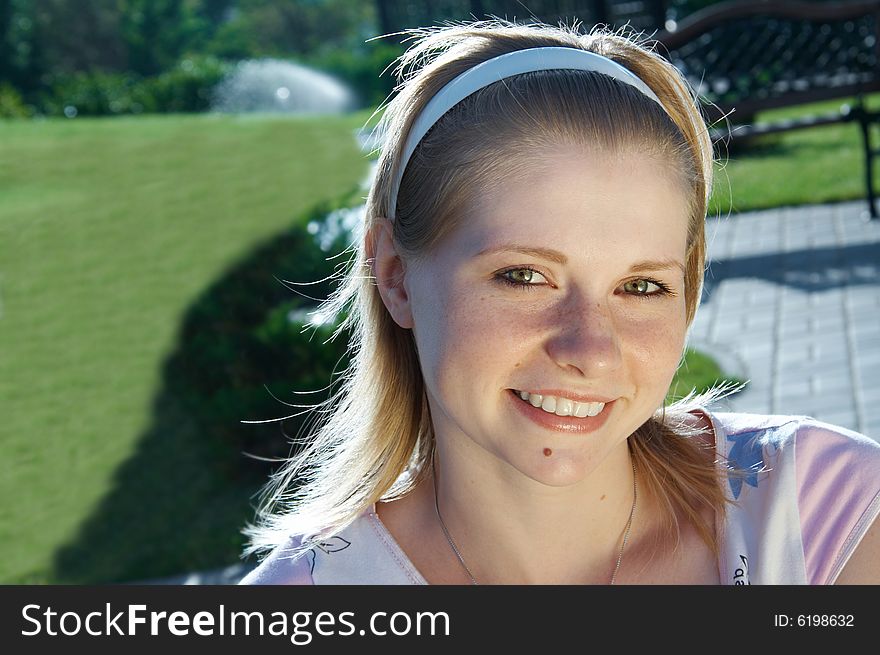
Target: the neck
(509, 528)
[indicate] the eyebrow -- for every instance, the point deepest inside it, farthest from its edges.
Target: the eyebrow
(558, 257)
(658, 265)
(543, 253)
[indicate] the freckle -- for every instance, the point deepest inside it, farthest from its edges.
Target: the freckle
(547, 452)
(516, 365)
(603, 497)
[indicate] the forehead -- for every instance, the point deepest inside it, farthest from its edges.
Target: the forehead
(584, 205)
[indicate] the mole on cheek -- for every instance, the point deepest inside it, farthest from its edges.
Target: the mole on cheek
(547, 452)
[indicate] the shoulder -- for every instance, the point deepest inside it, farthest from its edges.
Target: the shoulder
(839, 500)
(363, 552)
(285, 565)
(820, 449)
(831, 482)
(834, 462)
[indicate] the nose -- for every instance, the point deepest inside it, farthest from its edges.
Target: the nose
(584, 339)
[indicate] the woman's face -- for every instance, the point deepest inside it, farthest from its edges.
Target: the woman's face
(567, 286)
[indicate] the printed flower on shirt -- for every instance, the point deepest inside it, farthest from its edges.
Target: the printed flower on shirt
(746, 454)
(331, 545)
(334, 544)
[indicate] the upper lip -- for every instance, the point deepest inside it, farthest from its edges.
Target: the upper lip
(571, 395)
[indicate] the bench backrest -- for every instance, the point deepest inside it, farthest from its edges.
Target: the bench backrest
(758, 55)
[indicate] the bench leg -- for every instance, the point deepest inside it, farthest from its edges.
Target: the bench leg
(865, 124)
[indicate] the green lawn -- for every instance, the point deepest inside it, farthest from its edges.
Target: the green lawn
(815, 165)
(108, 231)
(698, 372)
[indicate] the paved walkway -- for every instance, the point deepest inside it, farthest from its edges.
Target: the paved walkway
(792, 302)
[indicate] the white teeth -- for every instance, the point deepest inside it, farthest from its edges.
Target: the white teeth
(562, 406)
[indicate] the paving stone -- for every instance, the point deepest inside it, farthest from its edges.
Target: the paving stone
(843, 419)
(864, 326)
(727, 330)
(792, 389)
(837, 403)
(758, 350)
(869, 395)
(698, 334)
(859, 296)
(752, 406)
(760, 380)
(792, 296)
(793, 353)
(789, 328)
(837, 382)
(795, 405)
(833, 320)
(865, 373)
(765, 334)
(799, 313)
(867, 341)
(869, 376)
(758, 320)
(830, 353)
(871, 429)
(762, 295)
(785, 375)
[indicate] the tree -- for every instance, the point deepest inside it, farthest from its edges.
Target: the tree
(80, 36)
(21, 57)
(300, 27)
(157, 32)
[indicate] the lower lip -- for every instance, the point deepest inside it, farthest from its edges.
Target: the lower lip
(568, 424)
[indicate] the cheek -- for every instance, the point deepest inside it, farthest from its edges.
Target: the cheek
(461, 333)
(656, 345)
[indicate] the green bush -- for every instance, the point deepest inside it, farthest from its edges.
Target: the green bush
(188, 86)
(185, 88)
(93, 94)
(11, 103)
(361, 70)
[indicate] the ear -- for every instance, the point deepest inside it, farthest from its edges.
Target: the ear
(389, 271)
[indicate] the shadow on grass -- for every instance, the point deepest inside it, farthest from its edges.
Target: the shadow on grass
(179, 502)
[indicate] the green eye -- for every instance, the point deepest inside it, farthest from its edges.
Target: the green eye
(521, 275)
(640, 287)
(521, 278)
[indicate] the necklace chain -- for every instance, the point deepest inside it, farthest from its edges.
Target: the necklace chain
(455, 550)
(629, 522)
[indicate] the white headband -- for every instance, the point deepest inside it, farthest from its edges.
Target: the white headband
(499, 68)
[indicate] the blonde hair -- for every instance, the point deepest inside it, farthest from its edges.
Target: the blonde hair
(374, 438)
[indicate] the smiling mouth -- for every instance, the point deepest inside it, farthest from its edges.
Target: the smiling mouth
(559, 405)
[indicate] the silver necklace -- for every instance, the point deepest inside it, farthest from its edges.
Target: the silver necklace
(455, 550)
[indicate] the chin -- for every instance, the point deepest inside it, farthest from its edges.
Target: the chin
(561, 469)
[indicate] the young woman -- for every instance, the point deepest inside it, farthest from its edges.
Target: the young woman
(532, 258)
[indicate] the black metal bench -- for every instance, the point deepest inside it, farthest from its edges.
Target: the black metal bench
(746, 57)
